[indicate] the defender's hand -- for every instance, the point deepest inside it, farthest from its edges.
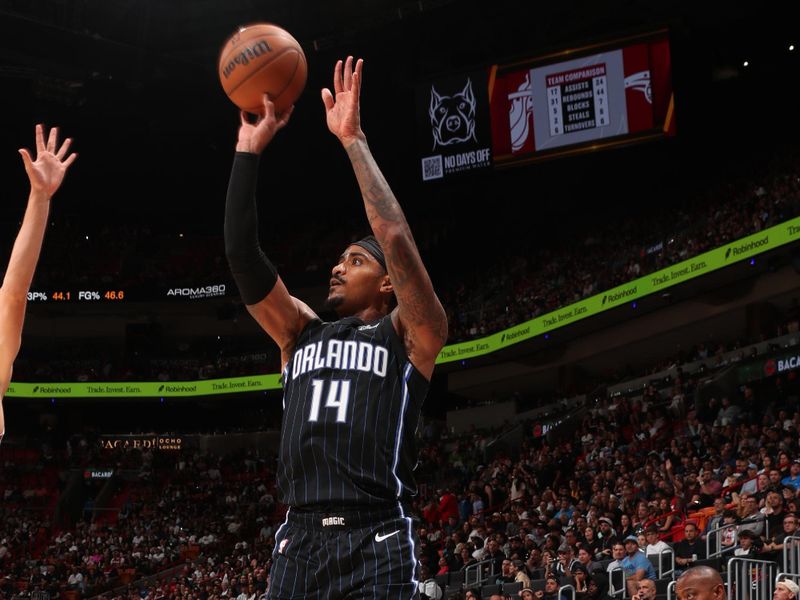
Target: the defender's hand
(343, 113)
(47, 172)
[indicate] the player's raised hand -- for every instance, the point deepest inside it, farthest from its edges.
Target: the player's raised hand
(47, 171)
(254, 137)
(342, 110)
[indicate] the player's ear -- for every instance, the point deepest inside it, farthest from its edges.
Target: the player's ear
(386, 285)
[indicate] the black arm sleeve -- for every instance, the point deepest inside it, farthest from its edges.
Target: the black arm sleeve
(254, 273)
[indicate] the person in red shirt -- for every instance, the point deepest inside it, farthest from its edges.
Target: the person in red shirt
(448, 505)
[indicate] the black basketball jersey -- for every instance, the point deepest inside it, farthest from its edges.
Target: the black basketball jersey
(351, 402)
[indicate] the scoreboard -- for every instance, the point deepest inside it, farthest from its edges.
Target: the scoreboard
(582, 99)
(578, 99)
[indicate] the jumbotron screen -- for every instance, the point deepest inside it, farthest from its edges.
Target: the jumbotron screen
(574, 100)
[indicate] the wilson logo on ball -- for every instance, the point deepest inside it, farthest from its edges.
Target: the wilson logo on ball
(245, 56)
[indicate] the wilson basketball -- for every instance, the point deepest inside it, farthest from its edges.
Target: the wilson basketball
(262, 58)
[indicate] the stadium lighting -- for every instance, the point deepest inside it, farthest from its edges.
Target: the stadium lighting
(746, 63)
(791, 47)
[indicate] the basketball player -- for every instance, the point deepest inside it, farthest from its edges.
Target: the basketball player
(353, 388)
(45, 174)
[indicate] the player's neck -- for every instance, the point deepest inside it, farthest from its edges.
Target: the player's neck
(368, 315)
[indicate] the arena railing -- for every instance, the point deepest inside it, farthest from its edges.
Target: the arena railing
(714, 547)
(480, 576)
(666, 558)
(751, 579)
(791, 555)
(671, 590)
(568, 588)
(617, 592)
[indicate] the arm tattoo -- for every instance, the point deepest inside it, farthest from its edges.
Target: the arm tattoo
(415, 295)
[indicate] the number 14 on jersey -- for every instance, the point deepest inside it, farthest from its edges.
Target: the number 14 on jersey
(337, 396)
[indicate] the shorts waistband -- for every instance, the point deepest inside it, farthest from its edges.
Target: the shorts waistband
(345, 518)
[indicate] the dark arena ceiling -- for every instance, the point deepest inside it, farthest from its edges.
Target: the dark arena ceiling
(136, 80)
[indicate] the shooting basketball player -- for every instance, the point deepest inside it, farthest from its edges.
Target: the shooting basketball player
(353, 388)
(45, 174)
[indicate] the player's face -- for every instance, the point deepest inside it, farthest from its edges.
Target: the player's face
(355, 281)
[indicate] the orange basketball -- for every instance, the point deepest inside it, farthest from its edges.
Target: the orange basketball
(262, 58)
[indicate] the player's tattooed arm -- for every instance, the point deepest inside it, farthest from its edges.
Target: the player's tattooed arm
(419, 318)
(421, 315)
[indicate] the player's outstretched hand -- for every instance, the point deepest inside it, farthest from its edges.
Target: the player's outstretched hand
(342, 110)
(47, 171)
(254, 137)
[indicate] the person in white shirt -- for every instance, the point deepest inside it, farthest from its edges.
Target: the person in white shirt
(655, 546)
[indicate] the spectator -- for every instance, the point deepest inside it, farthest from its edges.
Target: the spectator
(786, 589)
(655, 546)
(520, 574)
(551, 587)
(428, 588)
(715, 521)
(751, 519)
(793, 479)
(585, 559)
(646, 590)
(776, 544)
(748, 544)
(690, 549)
(635, 565)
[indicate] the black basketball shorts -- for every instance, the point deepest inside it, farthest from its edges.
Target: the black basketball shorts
(345, 555)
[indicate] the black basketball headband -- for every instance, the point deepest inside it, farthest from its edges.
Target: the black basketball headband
(371, 245)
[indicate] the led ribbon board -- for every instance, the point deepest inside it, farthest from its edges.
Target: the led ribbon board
(658, 281)
(702, 264)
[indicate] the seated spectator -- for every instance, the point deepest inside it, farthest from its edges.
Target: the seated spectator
(775, 545)
(793, 479)
(585, 559)
(646, 590)
(786, 589)
(551, 587)
(520, 573)
(690, 549)
(635, 565)
(581, 577)
(749, 544)
(655, 546)
(428, 588)
(750, 517)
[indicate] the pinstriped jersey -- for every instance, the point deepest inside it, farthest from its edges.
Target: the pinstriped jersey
(351, 402)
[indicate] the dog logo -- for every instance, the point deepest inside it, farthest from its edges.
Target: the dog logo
(453, 117)
(282, 545)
